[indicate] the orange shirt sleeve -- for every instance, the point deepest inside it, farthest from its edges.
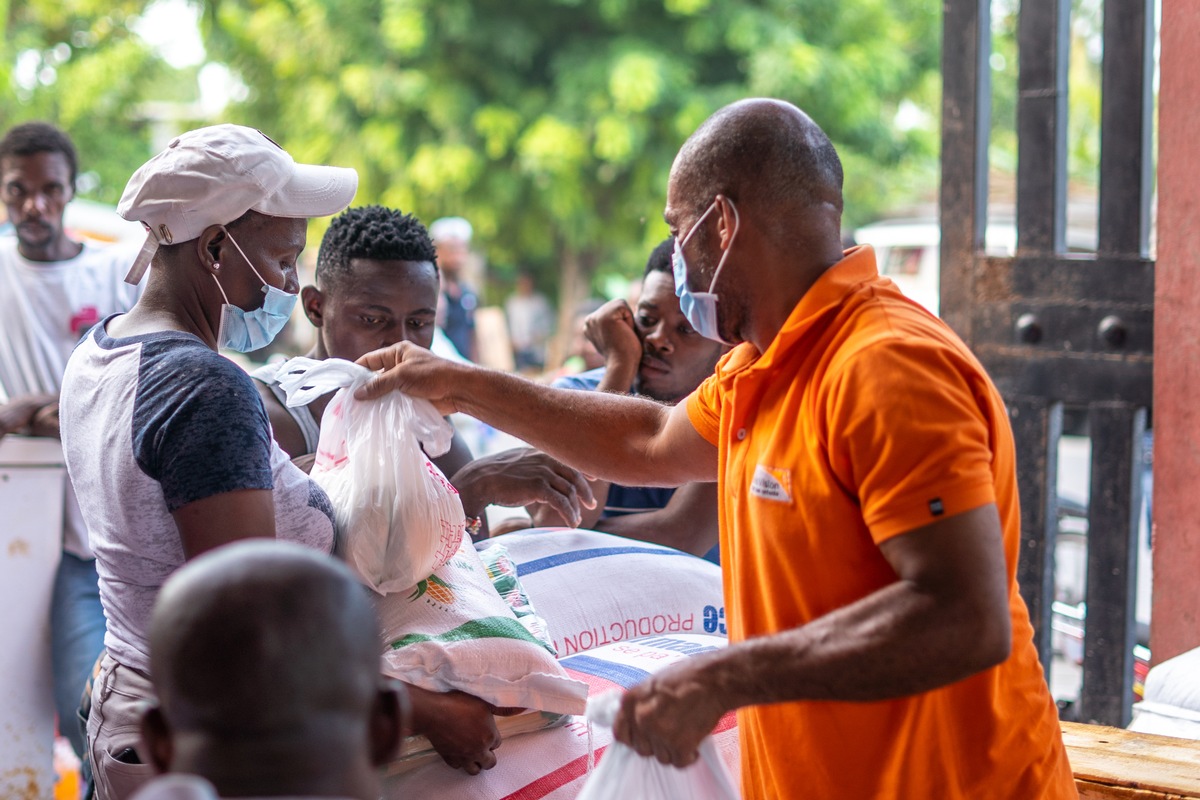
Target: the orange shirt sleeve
(909, 435)
(704, 408)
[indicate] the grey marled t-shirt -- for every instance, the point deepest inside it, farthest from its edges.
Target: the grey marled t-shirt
(149, 424)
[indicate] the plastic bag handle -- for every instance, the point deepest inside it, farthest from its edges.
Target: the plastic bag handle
(303, 380)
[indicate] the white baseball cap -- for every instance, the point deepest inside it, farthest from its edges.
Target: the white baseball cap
(212, 176)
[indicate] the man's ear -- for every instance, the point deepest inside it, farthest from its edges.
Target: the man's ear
(157, 736)
(312, 300)
(390, 722)
(727, 224)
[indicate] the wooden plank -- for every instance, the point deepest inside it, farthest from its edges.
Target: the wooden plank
(1097, 791)
(1114, 763)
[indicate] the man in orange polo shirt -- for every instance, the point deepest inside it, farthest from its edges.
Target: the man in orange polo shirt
(879, 647)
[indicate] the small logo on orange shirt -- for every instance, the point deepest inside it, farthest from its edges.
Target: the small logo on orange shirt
(936, 507)
(771, 483)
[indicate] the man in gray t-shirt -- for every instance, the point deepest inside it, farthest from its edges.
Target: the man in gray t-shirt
(52, 289)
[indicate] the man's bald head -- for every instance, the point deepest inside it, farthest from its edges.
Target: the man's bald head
(263, 640)
(763, 154)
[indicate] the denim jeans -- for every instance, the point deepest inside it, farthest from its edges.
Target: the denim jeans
(76, 639)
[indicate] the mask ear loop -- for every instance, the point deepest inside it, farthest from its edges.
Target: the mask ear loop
(696, 224)
(737, 223)
(220, 288)
(242, 252)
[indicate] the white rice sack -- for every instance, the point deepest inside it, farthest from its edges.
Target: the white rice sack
(552, 764)
(453, 631)
(1172, 704)
(1163, 719)
(1175, 681)
(595, 588)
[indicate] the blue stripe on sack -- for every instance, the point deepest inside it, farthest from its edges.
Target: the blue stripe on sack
(620, 674)
(559, 559)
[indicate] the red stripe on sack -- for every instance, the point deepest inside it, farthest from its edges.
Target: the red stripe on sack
(552, 781)
(727, 722)
(596, 684)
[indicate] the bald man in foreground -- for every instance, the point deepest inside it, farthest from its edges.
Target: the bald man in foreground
(265, 659)
(869, 527)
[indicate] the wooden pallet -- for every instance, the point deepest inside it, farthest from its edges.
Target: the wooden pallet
(1115, 764)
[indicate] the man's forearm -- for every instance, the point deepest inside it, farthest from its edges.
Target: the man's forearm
(618, 375)
(896, 642)
(19, 413)
(604, 435)
(648, 526)
(688, 522)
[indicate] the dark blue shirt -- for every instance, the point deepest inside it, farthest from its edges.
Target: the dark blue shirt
(624, 500)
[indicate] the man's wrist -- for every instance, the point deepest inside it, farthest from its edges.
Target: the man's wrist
(468, 388)
(727, 675)
(620, 371)
(471, 493)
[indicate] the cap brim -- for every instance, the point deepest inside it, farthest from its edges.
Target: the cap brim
(312, 191)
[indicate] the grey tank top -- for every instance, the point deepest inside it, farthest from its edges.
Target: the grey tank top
(268, 374)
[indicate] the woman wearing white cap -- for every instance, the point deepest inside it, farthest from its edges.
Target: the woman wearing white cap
(166, 441)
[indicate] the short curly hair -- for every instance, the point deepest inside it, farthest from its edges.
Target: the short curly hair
(660, 258)
(31, 138)
(374, 232)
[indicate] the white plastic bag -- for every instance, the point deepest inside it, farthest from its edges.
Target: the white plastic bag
(623, 774)
(398, 517)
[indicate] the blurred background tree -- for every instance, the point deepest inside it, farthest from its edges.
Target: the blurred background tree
(552, 124)
(80, 65)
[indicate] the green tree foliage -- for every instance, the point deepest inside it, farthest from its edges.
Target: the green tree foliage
(1083, 94)
(75, 63)
(552, 124)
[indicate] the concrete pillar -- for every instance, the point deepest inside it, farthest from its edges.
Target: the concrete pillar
(1175, 626)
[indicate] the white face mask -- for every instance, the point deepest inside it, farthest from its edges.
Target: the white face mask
(700, 308)
(245, 331)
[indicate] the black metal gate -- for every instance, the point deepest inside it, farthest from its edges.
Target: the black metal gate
(1059, 331)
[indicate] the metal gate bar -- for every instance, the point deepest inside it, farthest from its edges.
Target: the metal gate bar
(1113, 510)
(1037, 426)
(1126, 128)
(1043, 44)
(1057, 330)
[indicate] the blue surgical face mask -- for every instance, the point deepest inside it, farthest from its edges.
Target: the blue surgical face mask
(245, 331)
(700, 308)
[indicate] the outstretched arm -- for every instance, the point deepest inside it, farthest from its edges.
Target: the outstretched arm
(523, 476)
(30, 413)
(627, 440)
(688, 521)
(945, 618)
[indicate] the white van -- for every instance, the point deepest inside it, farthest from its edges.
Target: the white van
(907, 252)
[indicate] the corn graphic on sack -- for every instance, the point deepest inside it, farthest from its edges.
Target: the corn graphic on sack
(452, 630)
(398, 518)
